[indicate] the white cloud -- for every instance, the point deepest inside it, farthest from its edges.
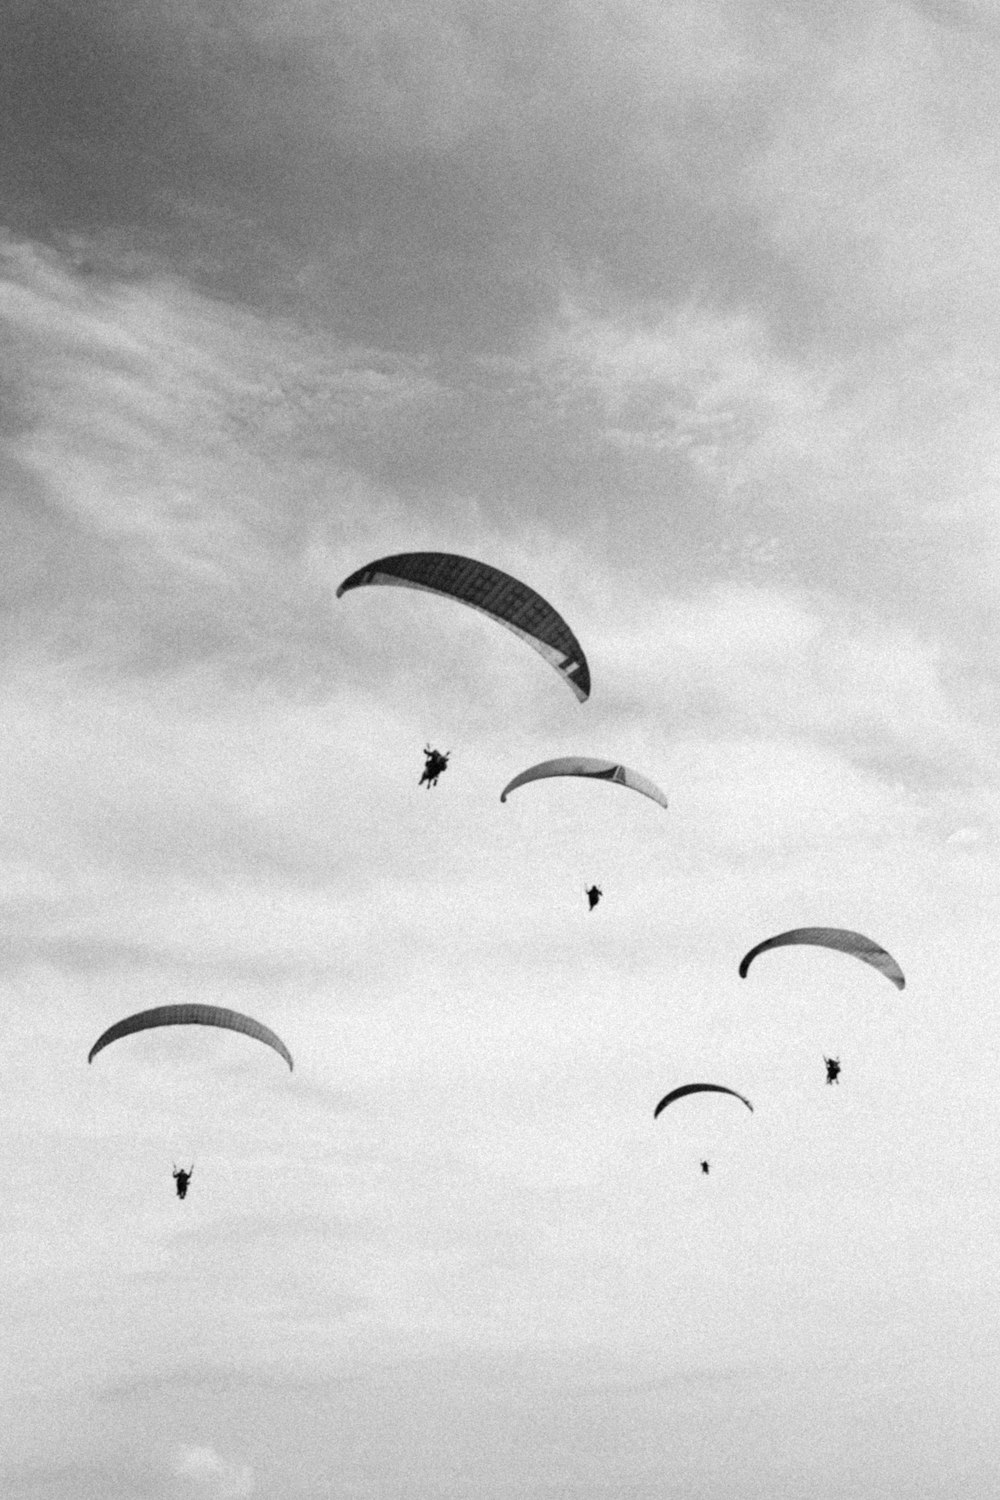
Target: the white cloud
(200, 1470)
(779, 662)
(691, 382)
(160, 414)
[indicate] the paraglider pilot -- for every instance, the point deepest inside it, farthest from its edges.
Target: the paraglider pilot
(434, 764)
(832, 1068)
(182, 1178)
(704, 1167)
(594, 894)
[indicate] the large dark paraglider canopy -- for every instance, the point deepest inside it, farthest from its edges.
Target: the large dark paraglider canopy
(496, 594)
(191, 1015)
(839, 938)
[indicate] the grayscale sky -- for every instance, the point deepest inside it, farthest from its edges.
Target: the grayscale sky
(688, 315)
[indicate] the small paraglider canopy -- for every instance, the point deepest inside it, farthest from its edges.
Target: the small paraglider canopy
(494, 593)
(588, 766)
(698, 1088)
(840, 938)
(191, 1015)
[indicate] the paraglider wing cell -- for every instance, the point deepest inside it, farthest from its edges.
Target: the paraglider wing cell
(191, 1015)
(698, 1088)
(595, 770)
(839, 938)
(496, 594)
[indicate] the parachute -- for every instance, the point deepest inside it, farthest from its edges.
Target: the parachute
(833, 937)
(190, 1015)
(584, 765)
(698, 1088)
(496, 594)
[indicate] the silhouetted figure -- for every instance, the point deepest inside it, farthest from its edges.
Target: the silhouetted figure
(832, 1068)
(434, 764)
(704, 1167)
(182, 1179)
(594, 894)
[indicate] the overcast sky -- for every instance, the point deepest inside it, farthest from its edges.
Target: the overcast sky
(686, 314)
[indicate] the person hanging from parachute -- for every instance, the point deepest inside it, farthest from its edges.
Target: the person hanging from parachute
(190, 1015)
(434, 764)
(832, 1068)
(698, 1088)
(594, 894)
(182, 1178)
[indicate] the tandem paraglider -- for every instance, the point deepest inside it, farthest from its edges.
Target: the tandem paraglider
(434, 763)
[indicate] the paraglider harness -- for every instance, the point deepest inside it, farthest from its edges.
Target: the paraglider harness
(435, 764)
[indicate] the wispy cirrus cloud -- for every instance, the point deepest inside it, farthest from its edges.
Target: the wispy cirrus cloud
(177, 465)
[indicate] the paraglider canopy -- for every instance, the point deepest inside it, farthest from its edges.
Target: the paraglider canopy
(588, 766)
(191, 1015)
(698, 1088)
(494, 593)
(840, 938)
